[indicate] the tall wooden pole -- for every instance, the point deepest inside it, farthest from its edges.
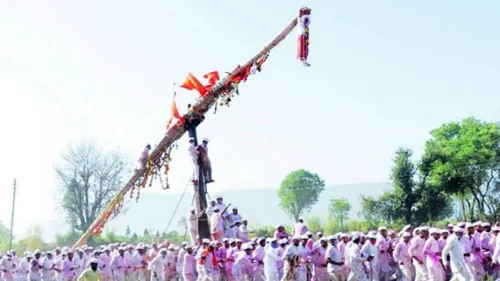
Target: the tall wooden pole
(202, 106)
(12, 214)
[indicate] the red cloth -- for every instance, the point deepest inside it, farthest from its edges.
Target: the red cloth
(192, 83)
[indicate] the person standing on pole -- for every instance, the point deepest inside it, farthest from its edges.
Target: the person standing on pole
(193, 152)
(205, 161)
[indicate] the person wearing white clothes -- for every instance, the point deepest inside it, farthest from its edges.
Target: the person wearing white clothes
(355, 260)
(271, 260)
(431, 251)
(370, 250)
(402, 258)
(192, 226)
(455, 250)
(242, 267)
(416, 252)
(156, 266)
(47, 267)
(334, 260)
(193, 153)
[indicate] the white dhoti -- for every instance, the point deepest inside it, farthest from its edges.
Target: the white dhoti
(462, 275)
(406, 271)
(421, 272)
(196, 168)
(193, 234)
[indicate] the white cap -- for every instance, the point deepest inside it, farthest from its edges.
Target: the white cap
(272, 239)
(247, 246)
(344, 235)
(191, 139)
(478, 223)
(461, 224)
(433, 230)
(260, 239)
(332, 237)
(205, 140)
(216, 208)
(225, 239)
(382, 228)
(406, 234)
(458, 229)
(304, 236)
(219, 196)
(372, 236)
(94, 260)
(485, 224)
(189, 247)
(323, 239)
(213, 244)
(185, 243)
(445, 231)
(296, 237)
(309, 233)
(284, 241)
(171, 247)
(163, 250)
(406, 227)
(495, 228)
(205, 241)
(469, 225)
(355, 235)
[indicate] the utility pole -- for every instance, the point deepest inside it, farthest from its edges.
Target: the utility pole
(12, 215)
(203, 227)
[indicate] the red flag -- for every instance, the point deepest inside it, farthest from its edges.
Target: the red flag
(212, 77)
(191, 83)
(175, 113)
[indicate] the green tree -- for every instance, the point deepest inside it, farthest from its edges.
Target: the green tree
(402, 176)
(89, 178)
(378, 211)
(338, 212)
(128, 232)
(299, 191)
(314, 223)
(463, 159)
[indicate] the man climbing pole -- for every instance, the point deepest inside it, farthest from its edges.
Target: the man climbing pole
(205, 161)
(193, 152)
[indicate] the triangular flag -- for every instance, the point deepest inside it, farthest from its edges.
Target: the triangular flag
(191, 83)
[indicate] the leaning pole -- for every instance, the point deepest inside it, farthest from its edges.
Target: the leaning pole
(199, 109)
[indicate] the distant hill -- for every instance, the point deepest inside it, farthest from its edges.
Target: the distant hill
(261, 206)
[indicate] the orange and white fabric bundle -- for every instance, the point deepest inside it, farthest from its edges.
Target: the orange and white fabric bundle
(303, 22)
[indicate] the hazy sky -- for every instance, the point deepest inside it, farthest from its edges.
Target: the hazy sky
(384, 73)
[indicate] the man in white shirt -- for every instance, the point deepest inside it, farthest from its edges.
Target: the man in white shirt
(334, 260)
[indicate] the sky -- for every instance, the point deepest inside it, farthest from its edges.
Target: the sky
(383, 74)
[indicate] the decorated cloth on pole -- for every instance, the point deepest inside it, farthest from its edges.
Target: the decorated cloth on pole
(303, 22)
(192, 83)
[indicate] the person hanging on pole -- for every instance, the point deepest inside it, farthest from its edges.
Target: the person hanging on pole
(205, 161)
(143, 159)
(193, 152)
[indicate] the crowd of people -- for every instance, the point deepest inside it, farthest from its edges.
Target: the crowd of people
(466, 251)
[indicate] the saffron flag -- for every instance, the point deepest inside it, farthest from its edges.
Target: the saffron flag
(213, 78)
(175, 113)
(191, 83)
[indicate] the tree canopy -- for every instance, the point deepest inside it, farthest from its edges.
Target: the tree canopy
(338, 212)
(463, 159)
(89, 178)
(299, 191)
